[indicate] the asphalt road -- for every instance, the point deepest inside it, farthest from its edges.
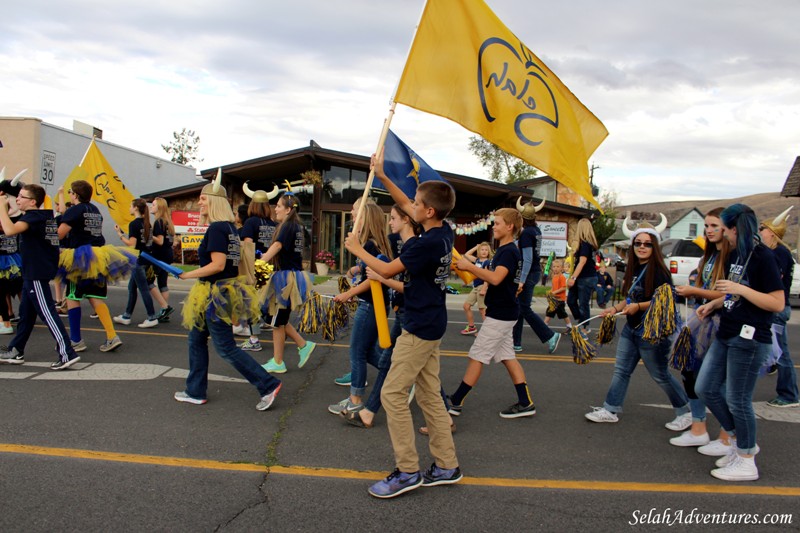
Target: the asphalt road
(104, 447)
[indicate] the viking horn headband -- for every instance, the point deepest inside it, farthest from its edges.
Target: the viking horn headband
(15, 181)
(258, 196)
(215, 188)
(528, 211)
(659, 229)
(778, 220)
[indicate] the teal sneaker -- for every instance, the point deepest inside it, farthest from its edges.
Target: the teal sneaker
(552, 344)
(344, 381)
(345, 406)
(274, 368)
(305, 352)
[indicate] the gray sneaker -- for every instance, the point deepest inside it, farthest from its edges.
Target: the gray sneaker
(79, 346)
(111, 344)
(11, 357)
(345, 406)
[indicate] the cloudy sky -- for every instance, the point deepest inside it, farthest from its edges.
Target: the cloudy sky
(701, 99)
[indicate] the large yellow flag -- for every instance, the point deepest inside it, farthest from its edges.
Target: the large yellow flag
(108, 188)
(465, 65)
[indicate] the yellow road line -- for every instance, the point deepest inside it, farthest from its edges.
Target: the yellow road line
(341, 473)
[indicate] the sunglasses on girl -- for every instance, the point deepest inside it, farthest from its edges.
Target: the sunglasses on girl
(642, 244)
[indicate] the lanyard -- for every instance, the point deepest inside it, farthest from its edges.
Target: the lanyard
(638, 279)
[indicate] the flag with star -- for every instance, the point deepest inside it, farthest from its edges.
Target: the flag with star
(404, 167)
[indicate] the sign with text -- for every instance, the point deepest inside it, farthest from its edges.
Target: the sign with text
(188, 222)
(554, 238)
(191, 242)
(48, 168)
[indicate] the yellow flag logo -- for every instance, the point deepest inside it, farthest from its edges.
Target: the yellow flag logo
(108, 187)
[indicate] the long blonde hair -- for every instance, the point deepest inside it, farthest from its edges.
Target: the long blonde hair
(374, 228)
(585, 233)
(218, 210)
(162, 214)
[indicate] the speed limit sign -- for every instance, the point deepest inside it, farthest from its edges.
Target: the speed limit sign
(48, 168)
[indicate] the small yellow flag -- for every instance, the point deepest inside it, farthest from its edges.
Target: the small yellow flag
(108, 188)
(465, 65)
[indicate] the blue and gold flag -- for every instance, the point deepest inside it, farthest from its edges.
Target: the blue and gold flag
(404, 167)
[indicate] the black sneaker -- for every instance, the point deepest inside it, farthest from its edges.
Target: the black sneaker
(63, 365)
(167, 311)
(13, 319)
(454, 409)
(772, 369)
(440, 476)
(518, 411)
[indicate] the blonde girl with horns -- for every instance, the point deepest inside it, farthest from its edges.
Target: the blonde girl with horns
(289, 286)
(219, 299)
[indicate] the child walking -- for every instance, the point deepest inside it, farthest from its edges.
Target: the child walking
(495, 341)
(481, 259)
(557, 297)
(415, 359)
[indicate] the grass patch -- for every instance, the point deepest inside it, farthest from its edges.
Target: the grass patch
(321, 279)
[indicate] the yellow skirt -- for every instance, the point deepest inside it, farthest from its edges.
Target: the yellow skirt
(287, 289)
(230, 300)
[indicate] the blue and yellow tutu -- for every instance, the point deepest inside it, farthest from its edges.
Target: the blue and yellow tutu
(287, 289)
(104, 263)
(10, 266)
(231, 300)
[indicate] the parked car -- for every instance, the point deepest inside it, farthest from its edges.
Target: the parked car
(681, 257)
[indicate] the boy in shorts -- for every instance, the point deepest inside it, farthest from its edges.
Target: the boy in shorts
(415, 360)
(558, 295)
(495, 340)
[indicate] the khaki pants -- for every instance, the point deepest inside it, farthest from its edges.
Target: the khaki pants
(415, 360)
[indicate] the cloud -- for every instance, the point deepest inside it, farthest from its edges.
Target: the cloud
(699, 98)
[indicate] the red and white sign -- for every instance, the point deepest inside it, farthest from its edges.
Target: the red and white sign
(188, 222)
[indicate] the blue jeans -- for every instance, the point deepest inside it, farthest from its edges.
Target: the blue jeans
(736, 363)
(139, 281)
(222, 336)
(526, 313)
(630, 349)
(373, 403)
(363, 347)
(579, 296)
(787, 376)
(603, 294)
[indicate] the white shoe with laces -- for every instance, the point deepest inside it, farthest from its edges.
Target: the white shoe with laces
(717, 448)
(681, 422)
(725, 460)
(687, 438)
(601, 414)
(738, 469)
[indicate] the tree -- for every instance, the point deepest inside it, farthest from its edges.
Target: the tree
(184, 147)
(605, 223)
(503, 167)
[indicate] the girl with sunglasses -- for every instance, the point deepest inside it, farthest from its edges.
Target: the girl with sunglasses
(645, 273)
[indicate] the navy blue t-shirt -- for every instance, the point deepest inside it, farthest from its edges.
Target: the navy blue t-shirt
(372, 249)
(396, 244)
(163, 251)
(427, 262)
(585, 250)
(221, 237)
(39, 245)
(260, 230)
(9, 244)
(762, 275)
(482, 263)
(637, 293)
(86, 225)
(501, 299)
(531, 237)
(291, 255)
(785, 266)
(136, 229)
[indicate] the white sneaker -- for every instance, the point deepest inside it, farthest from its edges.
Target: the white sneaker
(739, 469)
(600, 414)
(119, 319)
(717, 448)
(241, 331)
(689, 439)
(727, 459)
(148, 323)
(681, 422)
